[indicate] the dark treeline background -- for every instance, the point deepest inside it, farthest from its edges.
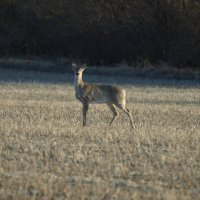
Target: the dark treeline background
(103, 31)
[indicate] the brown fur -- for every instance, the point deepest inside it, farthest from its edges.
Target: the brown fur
(113, 96)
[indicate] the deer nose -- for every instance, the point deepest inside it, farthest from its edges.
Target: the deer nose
(77, 73)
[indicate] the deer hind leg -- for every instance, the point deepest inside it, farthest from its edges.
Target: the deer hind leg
(85, 110)
(114, 111)
(126, 110)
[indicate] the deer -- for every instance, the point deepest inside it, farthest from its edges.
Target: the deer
(88, 93)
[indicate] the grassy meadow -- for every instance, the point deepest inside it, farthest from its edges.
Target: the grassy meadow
(46, 154)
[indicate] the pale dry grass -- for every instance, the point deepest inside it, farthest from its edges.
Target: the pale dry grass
(46, 154)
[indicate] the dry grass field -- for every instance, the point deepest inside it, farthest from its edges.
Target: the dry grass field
(46, 154)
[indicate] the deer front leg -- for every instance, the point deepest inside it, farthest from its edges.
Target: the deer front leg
(85, 109)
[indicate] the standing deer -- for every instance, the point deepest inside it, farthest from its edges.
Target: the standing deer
(87, 93)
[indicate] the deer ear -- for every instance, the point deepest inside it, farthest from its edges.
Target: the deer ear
(84, 66)
(74, 66)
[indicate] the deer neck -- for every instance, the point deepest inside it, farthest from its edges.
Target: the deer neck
(78, 81)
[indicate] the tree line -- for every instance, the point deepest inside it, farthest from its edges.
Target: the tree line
(103, 32)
